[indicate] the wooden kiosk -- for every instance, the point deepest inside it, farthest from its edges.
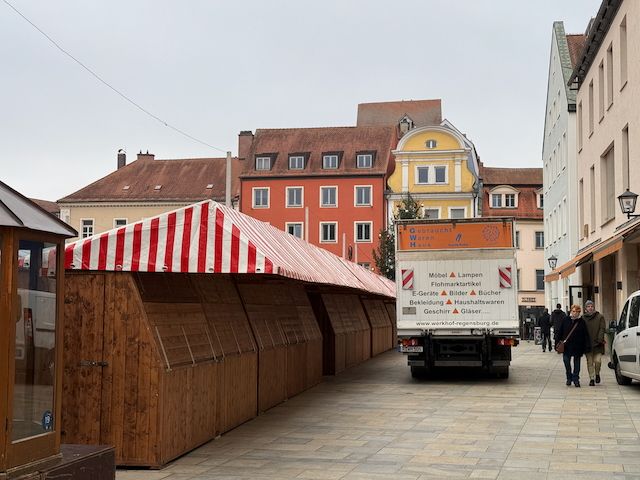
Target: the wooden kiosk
(31, 294)
(185, 325)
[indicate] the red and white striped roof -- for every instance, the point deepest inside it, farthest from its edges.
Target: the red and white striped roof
(208, 237)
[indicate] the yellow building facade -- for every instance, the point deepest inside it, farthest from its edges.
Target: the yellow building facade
(438, 166)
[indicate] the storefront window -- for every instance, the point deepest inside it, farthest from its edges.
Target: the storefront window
(35, 317)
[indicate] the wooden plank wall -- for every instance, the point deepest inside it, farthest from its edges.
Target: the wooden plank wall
(381, 329)
(391, 311)
(187, 360)
(351, 329)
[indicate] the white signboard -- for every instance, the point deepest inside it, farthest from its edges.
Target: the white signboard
(457, 293)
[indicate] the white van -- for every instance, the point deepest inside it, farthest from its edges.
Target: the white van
(625, 354)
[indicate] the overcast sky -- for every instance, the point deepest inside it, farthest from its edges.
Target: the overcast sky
(213, 68)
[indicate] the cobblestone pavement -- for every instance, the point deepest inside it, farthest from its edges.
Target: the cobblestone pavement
(374, 421)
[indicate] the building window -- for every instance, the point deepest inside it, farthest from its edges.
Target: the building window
(517, 239)
(455, 213)
(364, 160)
(329, 232)
(607, 170)
(610, 76)
(363, 232)
(363, 196)
(601, 90)
(263, 163)
(431, 143)
(261, 197)
(539, 240)
(518, 278)
(432, 213)
(540, 200)
(591, 102)
(294, 229)
(119, 222)
(592, 199)
(422, 174)
(296, 162)
(510, 200)
(87, 227)
(623, 52)
(539, 279)
(580, 128)
(328, 196)
(496, 200)
(441, 174)
(625, 157)
(366, 265)
(330, 162)
(581, 229)
(294, 197)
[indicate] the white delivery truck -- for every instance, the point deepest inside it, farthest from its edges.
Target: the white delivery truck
(457, 302)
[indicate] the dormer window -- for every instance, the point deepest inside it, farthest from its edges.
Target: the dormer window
(209, 186)
(296, 162)
(405, 124)
(157, 187)
(364, 160)
(540, 200)
(126, 187)
(330, 161)
(503, 196)
(263, 163)
(431, 143)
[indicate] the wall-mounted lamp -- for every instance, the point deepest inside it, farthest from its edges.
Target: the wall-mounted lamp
(628, 203)
(553, 261)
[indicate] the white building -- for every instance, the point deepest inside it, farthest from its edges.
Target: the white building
(607, 76)
(559, 160)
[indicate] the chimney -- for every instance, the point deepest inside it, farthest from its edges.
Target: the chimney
(122, 158)
(145, 156)
(245, 139)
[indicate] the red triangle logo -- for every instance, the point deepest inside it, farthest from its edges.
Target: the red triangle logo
(449, 302)
(453, 275)
(444, 293)
(473, 292)
(455, 310)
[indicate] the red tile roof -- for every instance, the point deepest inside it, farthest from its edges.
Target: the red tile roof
(312, 143)
(183, 180)
(422, 112)
(576, 44)
(51, 207)
(511, 176)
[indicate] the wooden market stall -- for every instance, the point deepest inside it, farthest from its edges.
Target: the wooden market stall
(31, 329)
(191, 323)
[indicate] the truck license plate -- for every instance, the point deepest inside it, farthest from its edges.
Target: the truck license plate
(411, 349)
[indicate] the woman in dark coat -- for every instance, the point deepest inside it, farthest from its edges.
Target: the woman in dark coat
(576, 345)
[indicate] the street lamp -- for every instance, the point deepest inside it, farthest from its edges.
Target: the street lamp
(628, 203)
(553, 261)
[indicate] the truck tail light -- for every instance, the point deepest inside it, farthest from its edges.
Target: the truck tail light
(507, 341)
(410, 342)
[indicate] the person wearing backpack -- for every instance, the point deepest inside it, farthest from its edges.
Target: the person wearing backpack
(557, 317)
(573, 343)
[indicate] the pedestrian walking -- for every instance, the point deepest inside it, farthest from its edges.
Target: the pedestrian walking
(596, 326)
(557, 317)
(574, 342)
(544, 322)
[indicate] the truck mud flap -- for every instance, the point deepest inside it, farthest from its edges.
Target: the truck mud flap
(457, 363)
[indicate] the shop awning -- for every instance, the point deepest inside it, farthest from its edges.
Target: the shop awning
(208, 237)
(592, 253)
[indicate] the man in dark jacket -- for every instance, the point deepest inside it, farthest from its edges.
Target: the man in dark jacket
(557, 317)
(545, 328)
(574, 335)
(596, 326)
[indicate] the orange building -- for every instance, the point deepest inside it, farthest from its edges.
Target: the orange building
(325, 185)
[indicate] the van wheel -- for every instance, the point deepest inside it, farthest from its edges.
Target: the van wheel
(621, 379)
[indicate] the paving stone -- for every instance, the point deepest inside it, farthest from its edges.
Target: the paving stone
(375, 422)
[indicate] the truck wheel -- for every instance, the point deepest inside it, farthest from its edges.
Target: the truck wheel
(418, 372)
(621, 379)
(500, 372)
